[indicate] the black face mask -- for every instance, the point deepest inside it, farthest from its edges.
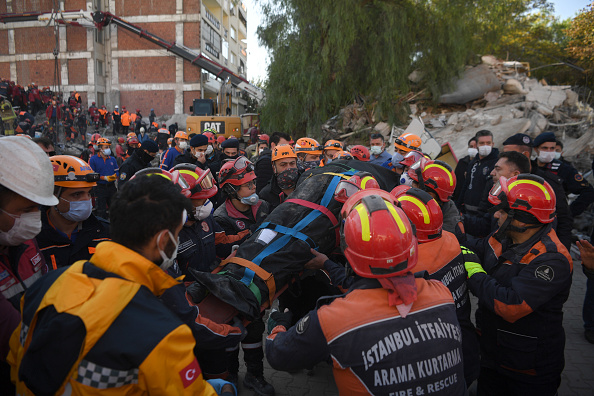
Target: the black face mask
(287, 179)
(130, 151)
(227, 157)
(145, 157)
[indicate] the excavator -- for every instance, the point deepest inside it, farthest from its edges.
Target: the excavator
(205, 112)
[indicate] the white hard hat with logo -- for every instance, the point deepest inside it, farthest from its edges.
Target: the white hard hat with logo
(26, 169)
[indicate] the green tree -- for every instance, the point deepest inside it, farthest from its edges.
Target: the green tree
(325, 53)
(581, 38)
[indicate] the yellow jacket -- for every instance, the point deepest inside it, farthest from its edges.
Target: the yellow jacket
(98, 328)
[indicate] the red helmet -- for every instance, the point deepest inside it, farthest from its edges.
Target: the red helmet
(95, 137)
(210, 136)
(359, 181)
(201, 183)
(132, 141)
(434, 175)
(236, 172)
(121, 140)
(220, 139)
(422, 210)
(411, 158)
(360, 152)
(377, 239)
(527, 193)
(264, 138)
(348, 205)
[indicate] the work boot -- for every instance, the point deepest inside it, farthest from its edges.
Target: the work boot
(258, 385)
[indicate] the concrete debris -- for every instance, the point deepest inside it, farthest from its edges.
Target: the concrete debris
(497, 95)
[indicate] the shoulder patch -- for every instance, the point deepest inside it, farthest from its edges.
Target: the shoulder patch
(240, 224)
(302, 325)
(578, 177)
(205, 226)
(122, 176)
(544, 272)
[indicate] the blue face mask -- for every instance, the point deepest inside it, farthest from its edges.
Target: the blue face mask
(79, 210)
(250, 200)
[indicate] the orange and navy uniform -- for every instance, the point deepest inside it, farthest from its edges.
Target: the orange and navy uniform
(20, 267)
(521, 297)
(373, 349)
(92, 314)
(61, 250)
(125, 119)
(443, 260)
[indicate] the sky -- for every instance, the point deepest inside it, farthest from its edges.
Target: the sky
(258, 56)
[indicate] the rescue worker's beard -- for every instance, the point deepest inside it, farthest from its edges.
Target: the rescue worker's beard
(145, 157)
(507, 228)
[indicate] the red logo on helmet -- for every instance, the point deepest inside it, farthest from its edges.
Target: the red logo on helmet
(189, 374)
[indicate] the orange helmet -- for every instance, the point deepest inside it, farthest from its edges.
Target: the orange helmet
(181, 135)
(422, 210)
(308, 146)
(103, 142)
(170, 140)
(72, 172)
(377, 238)
(359, 181)
(435, 176)
(201, 183)
(343, 155)
(361, 153)
(333, 145)
(283, 151)
(23, 135)
(131, 135)
(407, 142)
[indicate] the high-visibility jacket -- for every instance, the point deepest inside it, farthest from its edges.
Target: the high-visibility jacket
(126, 119)
(113, 336)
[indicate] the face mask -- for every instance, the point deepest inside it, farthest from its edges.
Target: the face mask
(183, 145)
(405, 180)
(546, 156)
(209, 150)
(203, 211)
(79, 210)
(250, 200)
(106, 152)
(375, 150)
(168, 261)
(145, 157)
(230, 157)
(472, 152)
(287, 179)
(95, 147)
(557, 155)
(306, 165)
(260, 151)
(484, 150)
(26, 226)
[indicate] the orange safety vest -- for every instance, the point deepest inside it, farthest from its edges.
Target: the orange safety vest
(126, 119)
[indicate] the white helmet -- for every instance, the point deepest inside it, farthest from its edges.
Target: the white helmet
(141, 129)
(26, 169)
(117, 107)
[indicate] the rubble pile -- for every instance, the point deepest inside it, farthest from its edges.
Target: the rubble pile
(496, 95)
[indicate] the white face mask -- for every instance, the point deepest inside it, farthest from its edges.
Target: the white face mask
(546, 156)
(183, 145)
(26, 226)
(106, 152)
(79, 210)
(209, 150)
(375, 150)
(405, 180)
(260, 151)
(95, 147)
(168, 261)
(472, 152)
(557, 155)
(484, 150)
(202, 212)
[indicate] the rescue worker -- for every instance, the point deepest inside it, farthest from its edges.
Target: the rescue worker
(213, 157)
(25, 183)
(70, 232)
(125, 119)
(46, 145)
(117, 120)
(133, 118)
(394, 164)
(559, 152)
(162, 136)
(402, 325)
(477, 173)
(243, 211)
(133, 145)
(181, 144)
(103, 116)
(309, 153)
(120, 152)
(53, 114)
(462, 166)
(438, 179)
(263, 166)
(520, 312)
(196, 155)
(360, 153)
(107, 167)
(330, 150)
(286, 174)
(377, 149)
(230, 149)
(261, 145)
(441, 256)
(587, 257)
(140, 159)
(142, 135)
(523, 144)
(123, 278)
(94, 113)
(152, 116)
(573, 182)
(407, 142)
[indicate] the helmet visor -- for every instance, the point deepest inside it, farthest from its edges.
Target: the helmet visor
(344, 190)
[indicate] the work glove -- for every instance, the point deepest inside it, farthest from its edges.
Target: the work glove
(472, 263)
(111, 178)
(277, 318)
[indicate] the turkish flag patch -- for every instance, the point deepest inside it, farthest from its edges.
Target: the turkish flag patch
(190, 373)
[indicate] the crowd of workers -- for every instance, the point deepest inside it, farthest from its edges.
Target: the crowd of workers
(97, 256)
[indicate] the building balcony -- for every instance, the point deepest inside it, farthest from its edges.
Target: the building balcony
(211, 18)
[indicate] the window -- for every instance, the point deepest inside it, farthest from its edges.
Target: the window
(232, 58)
(100, 99)
(100, 68)
(225, 49)
(99, 35)
(233, 33)
(212, 39)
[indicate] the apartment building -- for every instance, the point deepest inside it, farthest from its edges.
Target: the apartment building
(114, 66)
